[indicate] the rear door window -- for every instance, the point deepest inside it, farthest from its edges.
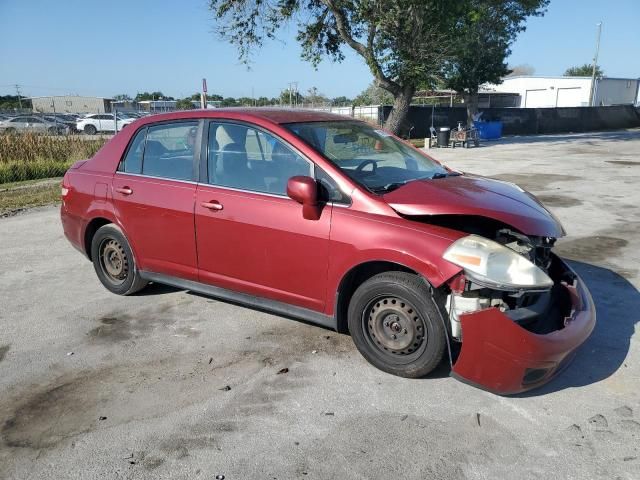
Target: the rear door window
(169, 150)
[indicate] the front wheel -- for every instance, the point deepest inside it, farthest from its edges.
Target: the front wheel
(395, 324)
(113, 261)
(90, 130)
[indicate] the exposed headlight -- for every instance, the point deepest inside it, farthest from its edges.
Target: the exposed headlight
(494, 265)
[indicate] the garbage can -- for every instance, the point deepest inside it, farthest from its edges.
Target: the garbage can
(443, 136)
(489, 130)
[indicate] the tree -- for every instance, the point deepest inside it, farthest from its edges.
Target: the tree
(486, 34)
(13, 102)
(403, 42)
(185, 104)
(315, 97)
(373, 95)
(585, 70)
(122, 97)
(523, 69)
(342, 100)
(290, 97)
(151, 96)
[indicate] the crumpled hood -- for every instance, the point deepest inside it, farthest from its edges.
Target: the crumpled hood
(475, 195)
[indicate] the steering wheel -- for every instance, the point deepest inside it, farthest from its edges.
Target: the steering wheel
(360, 168)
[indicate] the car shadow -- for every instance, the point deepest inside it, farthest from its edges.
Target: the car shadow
(156, 289)
(605, 351)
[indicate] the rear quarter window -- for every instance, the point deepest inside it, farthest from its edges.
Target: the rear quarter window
(132, 161)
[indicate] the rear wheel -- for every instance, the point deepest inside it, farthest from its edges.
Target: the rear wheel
(395, 324)
(90, 130)
(113, 261)
(10, 131)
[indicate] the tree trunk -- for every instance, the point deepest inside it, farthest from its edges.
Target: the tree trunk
(471, 101)
(401, 102)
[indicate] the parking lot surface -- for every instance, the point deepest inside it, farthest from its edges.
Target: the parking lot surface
(169, 384)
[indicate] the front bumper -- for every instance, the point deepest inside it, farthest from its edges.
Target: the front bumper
(502, 357)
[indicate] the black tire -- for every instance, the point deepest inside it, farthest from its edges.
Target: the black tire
(113, 261)
(53, 131)
(10, 131)
(90, 129)
(397, 304)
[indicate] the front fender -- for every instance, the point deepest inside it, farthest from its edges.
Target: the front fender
(358, 238)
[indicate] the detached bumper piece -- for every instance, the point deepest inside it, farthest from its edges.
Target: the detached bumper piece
(501, 356)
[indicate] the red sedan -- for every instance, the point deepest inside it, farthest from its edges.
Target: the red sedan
(330, 220)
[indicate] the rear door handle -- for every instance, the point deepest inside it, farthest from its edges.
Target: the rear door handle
(124, 190)
(212, 205)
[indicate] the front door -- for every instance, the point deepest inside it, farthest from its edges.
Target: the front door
(250, 236)
(154, 192)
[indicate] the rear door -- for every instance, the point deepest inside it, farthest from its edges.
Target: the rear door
(251, 236)
(154, 191)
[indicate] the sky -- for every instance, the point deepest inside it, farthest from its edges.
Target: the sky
(104, 48)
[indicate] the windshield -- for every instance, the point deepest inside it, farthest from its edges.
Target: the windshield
(371, 157)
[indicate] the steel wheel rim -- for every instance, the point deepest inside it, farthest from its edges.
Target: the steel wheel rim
(113, 261)
(394, 328)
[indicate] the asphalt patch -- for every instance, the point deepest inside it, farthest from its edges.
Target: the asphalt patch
(119, 327)
(534, 182)
(623, 162)
(559, 200)
(591, 249)
(3, 351)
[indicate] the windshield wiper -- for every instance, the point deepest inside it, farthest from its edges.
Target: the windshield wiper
(387, 188)
(444, 175)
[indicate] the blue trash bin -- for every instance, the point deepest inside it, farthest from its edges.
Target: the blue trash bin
(489, 130)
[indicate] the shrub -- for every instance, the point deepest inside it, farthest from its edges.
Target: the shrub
(31, 156)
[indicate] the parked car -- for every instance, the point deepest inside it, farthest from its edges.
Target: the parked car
(101, 122)
(327, 219)
(69, 122)
(33, 124)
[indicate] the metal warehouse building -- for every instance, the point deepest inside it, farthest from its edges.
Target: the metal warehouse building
(541, 92)
(71, 104)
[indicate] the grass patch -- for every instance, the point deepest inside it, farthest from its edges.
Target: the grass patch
(20, 195)
(417, 142)
(31, 156)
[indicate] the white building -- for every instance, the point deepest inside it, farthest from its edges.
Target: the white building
(540, 92)
(71, 104)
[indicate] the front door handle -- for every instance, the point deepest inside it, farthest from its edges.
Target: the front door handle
(124, 190)
(212, 205)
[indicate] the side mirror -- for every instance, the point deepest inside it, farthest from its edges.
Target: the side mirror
(304, 190)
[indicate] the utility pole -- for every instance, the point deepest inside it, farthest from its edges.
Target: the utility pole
(595, 65)
(19, 97)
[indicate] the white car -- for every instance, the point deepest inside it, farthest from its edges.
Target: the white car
(101, 122)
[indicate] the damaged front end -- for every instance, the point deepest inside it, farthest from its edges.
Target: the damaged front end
(517, 312)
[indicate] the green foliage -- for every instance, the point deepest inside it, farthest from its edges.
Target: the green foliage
(373, 95)
(140, 96)
(585, 70)
(342, 100)
(122, 97)
(185, 104)
(29, 156)
(15, 197)
(12, 102)
(400, 40)
(403, 42)
(485, 35)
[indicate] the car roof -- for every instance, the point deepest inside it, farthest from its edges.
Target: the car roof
(275, 115)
